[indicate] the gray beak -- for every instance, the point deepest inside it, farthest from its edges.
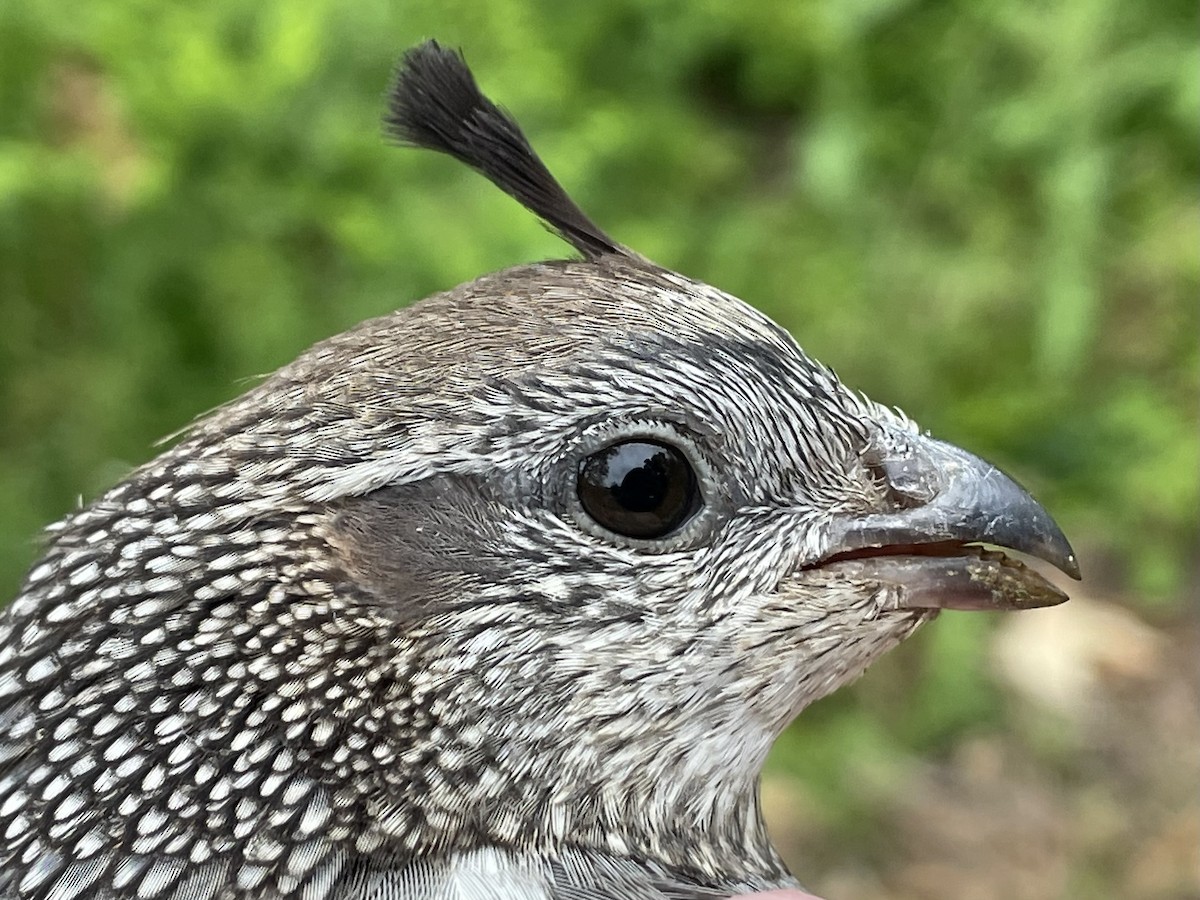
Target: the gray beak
(948, 502)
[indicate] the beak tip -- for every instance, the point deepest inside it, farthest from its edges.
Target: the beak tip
(1058, 551)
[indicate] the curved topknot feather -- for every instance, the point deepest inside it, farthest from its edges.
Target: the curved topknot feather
(435, 103)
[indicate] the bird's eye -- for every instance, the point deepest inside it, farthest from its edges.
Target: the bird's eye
(639, 489)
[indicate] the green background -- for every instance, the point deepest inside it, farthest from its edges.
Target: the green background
(984, 213)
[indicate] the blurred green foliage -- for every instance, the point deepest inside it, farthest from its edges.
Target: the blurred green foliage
(982, 212)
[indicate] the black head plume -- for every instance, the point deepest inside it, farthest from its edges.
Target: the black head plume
(435, 103)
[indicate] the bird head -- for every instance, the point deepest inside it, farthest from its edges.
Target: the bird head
(548, 559)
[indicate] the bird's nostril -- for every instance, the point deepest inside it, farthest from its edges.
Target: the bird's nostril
(903, 484)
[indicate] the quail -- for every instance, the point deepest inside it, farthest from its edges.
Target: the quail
(503, 595)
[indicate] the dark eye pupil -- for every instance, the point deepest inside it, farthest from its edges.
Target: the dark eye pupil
(640, 488)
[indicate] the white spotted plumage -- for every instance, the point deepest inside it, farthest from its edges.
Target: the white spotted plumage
(239, 701)
(356, 636)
